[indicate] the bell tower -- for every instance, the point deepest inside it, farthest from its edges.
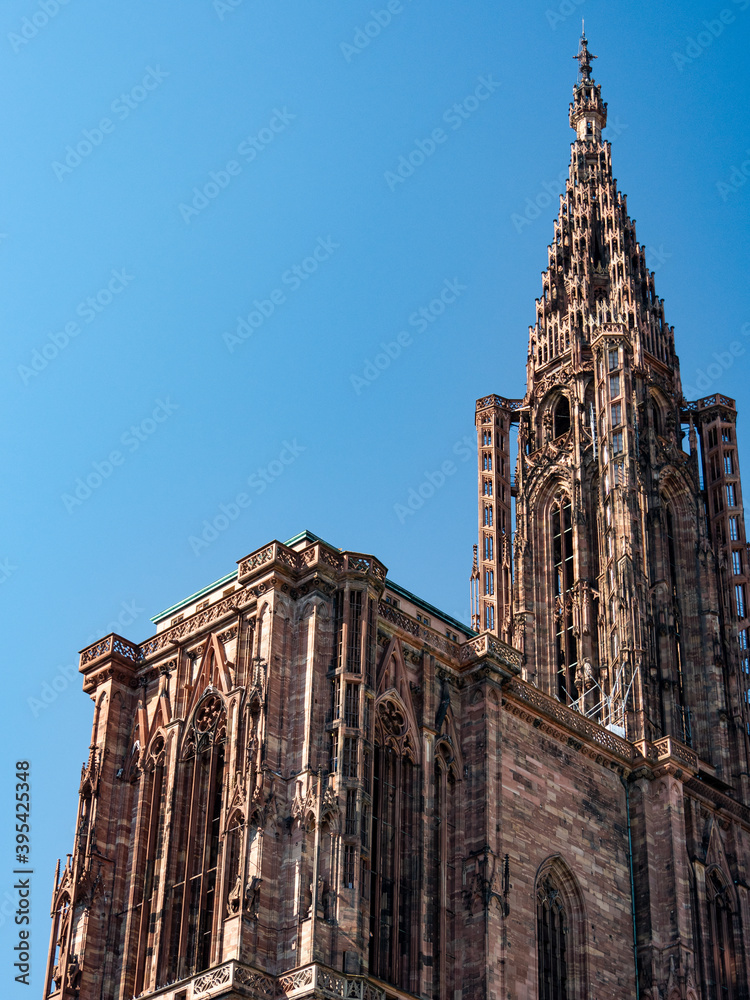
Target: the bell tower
(628, 591)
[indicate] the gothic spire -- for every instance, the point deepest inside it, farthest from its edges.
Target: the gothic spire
(596, 273)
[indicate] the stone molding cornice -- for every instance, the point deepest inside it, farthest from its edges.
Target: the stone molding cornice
(272, 567)
(718, 799)
(237, 980)
(571, 728)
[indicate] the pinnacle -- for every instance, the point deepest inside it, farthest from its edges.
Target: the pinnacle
(584, 58)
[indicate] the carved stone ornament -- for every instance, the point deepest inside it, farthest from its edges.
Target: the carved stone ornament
(252, 896)
(235, 895)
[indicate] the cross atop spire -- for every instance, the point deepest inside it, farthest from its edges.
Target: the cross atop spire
(588, 112)
(584, 58)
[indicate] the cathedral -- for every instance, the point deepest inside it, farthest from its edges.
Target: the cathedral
(311, 782)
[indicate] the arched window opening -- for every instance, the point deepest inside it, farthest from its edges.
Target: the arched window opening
(59, 942)
(562, 416)
(552, 932)
(150, 861)
(682, 721)
(656, 411)
(84, 818)
(561, 934)
(489, 617)
(721, 959)
(443, 854)
(565, 641)
(394, 900)
(671, 552)
(192, 894)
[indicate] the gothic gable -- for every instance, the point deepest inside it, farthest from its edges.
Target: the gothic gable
(213, 672)
(394, 708)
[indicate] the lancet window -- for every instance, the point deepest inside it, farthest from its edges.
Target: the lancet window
(561, 934)
(353, 660)
(721, 959)
(394, 902)
(562, 417)
(192, 893)
(150, 859)
(683, 720)
(563, 569)
(443, 860)
(552, 941)
(60, 931)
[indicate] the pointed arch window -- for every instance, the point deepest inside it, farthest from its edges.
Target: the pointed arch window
(443, 866)
(562, 417)
(721, 959)
(561, 934)
(394, 901)
(193, 890)
(58, 945)
(683, 720)
(563, 567)
(551, 921)
(149, 862)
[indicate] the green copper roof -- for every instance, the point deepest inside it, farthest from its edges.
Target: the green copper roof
(311, 537)
(188, 600)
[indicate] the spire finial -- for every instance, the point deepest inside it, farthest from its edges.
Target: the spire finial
(584, 57)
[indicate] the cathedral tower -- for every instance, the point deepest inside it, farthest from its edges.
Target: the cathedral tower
(629, 555)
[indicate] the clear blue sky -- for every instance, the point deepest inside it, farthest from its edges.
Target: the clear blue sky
(114, 117)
